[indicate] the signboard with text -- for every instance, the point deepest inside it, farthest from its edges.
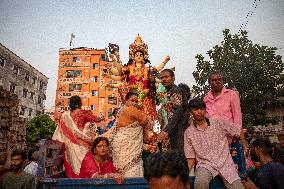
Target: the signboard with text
(69, 94)
(73, 80)
(74, 64)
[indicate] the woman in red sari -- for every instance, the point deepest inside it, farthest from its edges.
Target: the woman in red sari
(73, 132)
(99, 164)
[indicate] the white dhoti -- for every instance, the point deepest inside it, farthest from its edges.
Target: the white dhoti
(127, 145)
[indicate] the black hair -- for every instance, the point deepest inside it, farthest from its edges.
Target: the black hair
(152, 74)
(129, 94)
(171, 163)
(19, 152)
(264, 144)
(172, 73)
(278, 154)
(268, 148)
(97, 141)
(30, 152)
(214, 73)
(196, 103)
(186, 94)
(115, 111)
(75, 102)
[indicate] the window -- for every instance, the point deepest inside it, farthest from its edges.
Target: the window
(93, 107)
(30, 111)
(32, 95)
(22, 110)
(15, 70)
(44, 87)
(73, 73)
(25, 93)
(12, 87)
(27, 77)
(75, 87)
(34, 80)
(95, 66)
(95, 79)
(94, 93)
(103, 57)
(2, 61)
(40, 85)
(76, 59)
(109, 112)
(112, 100)
(39, 100)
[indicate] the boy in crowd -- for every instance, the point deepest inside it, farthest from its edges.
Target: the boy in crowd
(206, 142)
(167, 170)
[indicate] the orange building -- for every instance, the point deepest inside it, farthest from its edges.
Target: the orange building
(81, 72)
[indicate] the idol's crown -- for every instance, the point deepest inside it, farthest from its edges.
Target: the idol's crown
(138, 45)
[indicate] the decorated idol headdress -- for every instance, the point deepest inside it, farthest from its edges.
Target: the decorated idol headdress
(138, 45)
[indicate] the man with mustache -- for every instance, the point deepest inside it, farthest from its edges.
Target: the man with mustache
(224, 104)
(270, 173)
(17, 178)
(174, 106)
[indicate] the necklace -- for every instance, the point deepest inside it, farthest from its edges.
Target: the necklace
(139, 65)
(100, 161)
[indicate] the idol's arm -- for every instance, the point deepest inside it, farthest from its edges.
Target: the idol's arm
(115, 78)
(116, 63)
(114, 71)
(163, 64)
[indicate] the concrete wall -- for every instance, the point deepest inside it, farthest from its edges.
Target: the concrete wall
(12, 126)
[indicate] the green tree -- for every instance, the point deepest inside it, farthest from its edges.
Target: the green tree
(38, 127)
(254, 70)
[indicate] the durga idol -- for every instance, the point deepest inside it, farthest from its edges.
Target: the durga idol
(137, 76)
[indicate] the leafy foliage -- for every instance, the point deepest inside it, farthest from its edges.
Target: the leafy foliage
(40, 127)
(254, 70)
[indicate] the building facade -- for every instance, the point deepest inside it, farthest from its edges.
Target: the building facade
(22, 79)
(82, 71)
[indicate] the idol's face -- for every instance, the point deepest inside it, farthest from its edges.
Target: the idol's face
(138, 57)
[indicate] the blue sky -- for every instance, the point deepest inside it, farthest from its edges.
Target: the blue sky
(36, 29)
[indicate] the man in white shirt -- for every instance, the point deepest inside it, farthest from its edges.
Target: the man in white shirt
(33, 165)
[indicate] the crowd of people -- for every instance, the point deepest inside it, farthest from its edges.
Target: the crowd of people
(201, 132)
(204, 136)
(201, 135)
